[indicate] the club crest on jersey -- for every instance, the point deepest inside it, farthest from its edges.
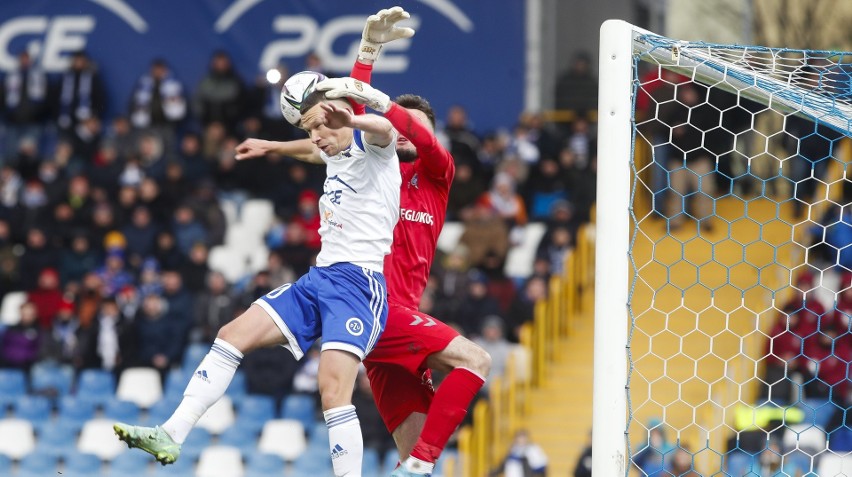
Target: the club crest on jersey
(354, 326)
(413, 181)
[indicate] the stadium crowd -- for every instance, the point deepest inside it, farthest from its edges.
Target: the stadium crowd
(107, 223)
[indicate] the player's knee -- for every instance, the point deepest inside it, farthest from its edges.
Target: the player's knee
(333, 393)
(480, 361)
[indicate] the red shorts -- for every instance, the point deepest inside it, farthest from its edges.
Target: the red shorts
(401, 382)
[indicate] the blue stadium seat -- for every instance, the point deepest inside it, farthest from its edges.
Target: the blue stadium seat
(193, 355)
(35, 409)
(13, 384)
(96, 386)
(301, 407)
(124, 411)
(39, 464)
(176, 381)
(5, 465)
(129, 463)
(73, 409)
(50, 379)
(57, 438)
(370, 463)
(390, 461)
(183, 467)
(162, 410)
(254, 411)
(195, 442)
(314, 462)
(239, 386)
(242, 437)
(260, 463)
(78, 462)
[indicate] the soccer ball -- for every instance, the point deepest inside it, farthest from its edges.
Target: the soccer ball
(295, 90)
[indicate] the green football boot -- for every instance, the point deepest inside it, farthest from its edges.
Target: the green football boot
(153, 440)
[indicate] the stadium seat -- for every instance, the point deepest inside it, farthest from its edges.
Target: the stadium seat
(450, 235)
(229, 209)
(17, 438)
(10, 307)
(97, 438)
(284, 438)
(192, 356)
(390, 461)
(239, 386)
(195, 442)
(227, 261)
(258, 259)
(254, 411)
(259, 464)
(35, 409)
(371, 464)
(95, 386)
(302, 408)
(242, 238)
(220, 461)
(219, 417)
(57, 438)
(176, 381)
(183, 467)
(805, 437)
(5, 465)
(38, 464)
(124, 411)
(130, 463)
(159, 412)
(520, 259)
(319, 434)
(257, 214)
(313, 462)
(240, 436)
(141, 386)
(13, 384)
(76, 410)
(82, 463)
(50, 379)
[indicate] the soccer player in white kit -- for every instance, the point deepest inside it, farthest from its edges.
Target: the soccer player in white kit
(343, 299)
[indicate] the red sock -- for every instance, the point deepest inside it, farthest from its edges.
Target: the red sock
(449, 406)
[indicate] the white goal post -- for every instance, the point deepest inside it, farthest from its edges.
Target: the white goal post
(686, 296)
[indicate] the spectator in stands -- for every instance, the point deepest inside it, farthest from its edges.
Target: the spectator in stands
(555, 247)
(174, 187)
(221, 94)
(484, 232)
(179, 303)
(150, 281)
(577, 88)
(38, 255)
(166, 251)
(650, 457)
(106, 342)
(492, 340)
(522, 309)
(295, 250)
(503, 200)
(113, 273)
(467, 187)
(21, 341)
(214, 307)
(188, 229)
(373, 430)
(82, 95)
(59, 344)
(522, 145)
(194, 270)
(24, 102)
(157, 336)
(525, 458)
(207, 209)
(477, 305)
(681, 463)
(259, 285)
(158, 103)
(305, 380)
(584, 462)
(47, 297)
(451, 277)
(546, 185)
(463, 142)
(195, 167)
(308, 217)
(140, 234)
(833, 232)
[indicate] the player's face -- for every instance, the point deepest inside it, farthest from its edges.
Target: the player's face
(330, 141)
(404, 148)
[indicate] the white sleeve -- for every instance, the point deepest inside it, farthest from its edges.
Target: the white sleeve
(386, 152)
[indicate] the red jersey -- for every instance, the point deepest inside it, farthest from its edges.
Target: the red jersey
(422, 203)
(422, 209)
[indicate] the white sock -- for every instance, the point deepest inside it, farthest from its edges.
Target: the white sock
(344, 440)
(207, 385)
(417, 466)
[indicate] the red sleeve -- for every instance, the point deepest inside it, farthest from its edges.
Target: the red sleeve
(361, 72)
(435, 160)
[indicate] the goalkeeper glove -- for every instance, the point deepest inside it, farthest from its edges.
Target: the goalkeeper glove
(381, 28)
(358, 91)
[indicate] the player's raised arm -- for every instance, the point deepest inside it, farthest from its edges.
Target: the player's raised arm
(301, 149)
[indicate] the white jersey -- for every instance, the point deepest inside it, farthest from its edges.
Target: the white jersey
(360, 204)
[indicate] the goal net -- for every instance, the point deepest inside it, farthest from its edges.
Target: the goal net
(722, 332)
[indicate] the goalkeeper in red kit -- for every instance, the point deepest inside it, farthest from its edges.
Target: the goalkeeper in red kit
(413, 343)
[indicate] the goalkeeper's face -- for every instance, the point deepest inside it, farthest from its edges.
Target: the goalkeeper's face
(404, 148)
